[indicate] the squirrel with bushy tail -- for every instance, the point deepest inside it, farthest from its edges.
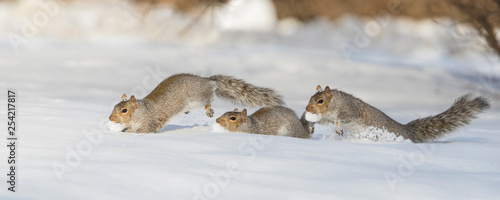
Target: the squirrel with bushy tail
(349, 113)
(271, 120)
(182, 92)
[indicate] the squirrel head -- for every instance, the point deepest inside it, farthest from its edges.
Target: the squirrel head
(318, 104)
(123, 111)
(233, 120)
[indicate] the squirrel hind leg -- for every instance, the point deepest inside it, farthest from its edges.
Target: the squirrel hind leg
(209, 111)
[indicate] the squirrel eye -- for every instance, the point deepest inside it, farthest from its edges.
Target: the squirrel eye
(320, 101)
(124, 110)
(233, 118)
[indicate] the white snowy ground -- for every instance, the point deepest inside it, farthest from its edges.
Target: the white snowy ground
(67, 89)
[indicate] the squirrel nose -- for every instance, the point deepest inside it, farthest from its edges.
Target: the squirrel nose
(217, 120)
(308, 109)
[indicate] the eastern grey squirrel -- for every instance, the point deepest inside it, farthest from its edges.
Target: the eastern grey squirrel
(272, 120)
(349, 113)
(183, 92)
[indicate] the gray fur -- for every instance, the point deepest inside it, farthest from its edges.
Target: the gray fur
(353, 115)
(308, 126)
(183, 92)
(274, 120)
(238, 91)
(459, 114)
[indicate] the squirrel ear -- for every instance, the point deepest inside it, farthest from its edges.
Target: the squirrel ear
(243, 115)
(328, 92)
(236, 109)
(124, 97)
(133, 101)
(318, 88)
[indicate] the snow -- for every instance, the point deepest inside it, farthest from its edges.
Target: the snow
(67, 88)
(216, 127)
(313, 117)
(239, 15)
(374, 134)
(115, 127)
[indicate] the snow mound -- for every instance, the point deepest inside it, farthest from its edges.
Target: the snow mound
(216, 127)
(375, 134)
(313, 117)
(115, 127)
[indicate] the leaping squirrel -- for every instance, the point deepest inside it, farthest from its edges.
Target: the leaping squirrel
(273, 120)
(349, 113)
(183, 92)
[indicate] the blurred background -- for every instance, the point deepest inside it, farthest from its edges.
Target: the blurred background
(458, 36)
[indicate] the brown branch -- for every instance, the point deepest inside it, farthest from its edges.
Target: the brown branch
(479, 19)
(487, 30)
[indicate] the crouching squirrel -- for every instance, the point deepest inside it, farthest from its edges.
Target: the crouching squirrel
(349, 113)
(274, 120)
(183, 92)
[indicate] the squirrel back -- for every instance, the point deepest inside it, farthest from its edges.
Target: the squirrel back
(274, 120)
(352, 114)
(181, 93)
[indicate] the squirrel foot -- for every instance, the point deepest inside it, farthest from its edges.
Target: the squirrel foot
(340, 132)
(209, 111)
(338, 129)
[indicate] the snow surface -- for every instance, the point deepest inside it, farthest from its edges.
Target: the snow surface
(68, 81)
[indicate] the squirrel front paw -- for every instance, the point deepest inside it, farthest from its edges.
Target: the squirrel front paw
(339, 129)
(209, 111)
(340, 132)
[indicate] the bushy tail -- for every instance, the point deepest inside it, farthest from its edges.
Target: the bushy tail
(239, 92)
(459, 114)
